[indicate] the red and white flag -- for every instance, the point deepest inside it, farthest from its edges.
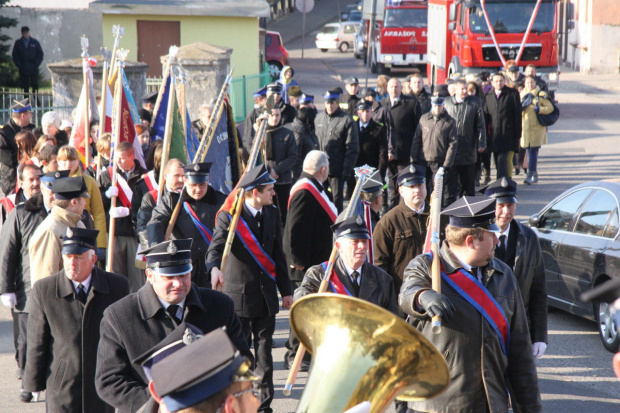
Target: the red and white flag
(84, 115)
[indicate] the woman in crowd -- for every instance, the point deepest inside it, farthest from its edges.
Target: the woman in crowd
(533, 102)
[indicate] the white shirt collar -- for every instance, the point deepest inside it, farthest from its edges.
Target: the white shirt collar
(181, 305)
(350, 270)
(253, 210)
(85, 283)
(417, 211)
(363, 125)
(506, 233)
(467, 267)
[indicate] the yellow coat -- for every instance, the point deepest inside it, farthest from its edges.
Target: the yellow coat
(94, 205)
(534, 134)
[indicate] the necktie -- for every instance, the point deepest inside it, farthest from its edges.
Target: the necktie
(81, 293)
(500, 250)
(172, 312)
(356, 282)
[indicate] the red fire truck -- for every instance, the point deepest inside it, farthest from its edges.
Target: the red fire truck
(470, 36)
(399, 35)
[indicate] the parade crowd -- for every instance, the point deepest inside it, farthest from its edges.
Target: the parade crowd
(129, 338)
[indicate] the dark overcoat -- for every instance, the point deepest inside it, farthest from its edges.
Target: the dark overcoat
(28, 57)
(205, 208)
(63, 335)
(136, 324)
(406, 116)
(376, 286)
(503, 115)
(307, 233)
(373, 146)
(254, 293)
(338, 139)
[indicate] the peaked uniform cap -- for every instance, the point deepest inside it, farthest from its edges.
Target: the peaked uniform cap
(373, 183)
(260, 92)
(255, 177)
(364, 105)
(351, 81)
(49, 178)
(20, 106)
(352, 228)
(411, 175)
(504, 190)
(150, 97)
(274, 88)
(70, 188)
(182, 382)
(79, 240)
(170, 258)
(472, 212)
(197, 173)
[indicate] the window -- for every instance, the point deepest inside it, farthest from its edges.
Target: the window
(512, 17)
(560, 215)
(349, 29)
(268, 39)
(612, 226)
(597, 212)
(329, 30)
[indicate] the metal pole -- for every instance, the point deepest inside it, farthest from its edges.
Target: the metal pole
(84, 42)
(303, 31)
(371, 34)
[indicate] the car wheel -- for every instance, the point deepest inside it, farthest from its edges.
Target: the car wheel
(324, 50)
(344, 47)
(607, 329)
(274, 69)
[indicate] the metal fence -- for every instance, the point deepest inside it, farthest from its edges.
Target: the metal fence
(41, 102)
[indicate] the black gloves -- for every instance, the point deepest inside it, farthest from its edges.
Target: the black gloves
(437, 304)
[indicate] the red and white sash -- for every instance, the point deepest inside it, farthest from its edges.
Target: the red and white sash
(9, 203)
(124, 191)
(150, 180)
(321, 197)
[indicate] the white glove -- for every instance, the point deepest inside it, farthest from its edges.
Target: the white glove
(119, 212)
(112, 191)
(36, 395)
(363, 407)
(538, 349)
(9, 300)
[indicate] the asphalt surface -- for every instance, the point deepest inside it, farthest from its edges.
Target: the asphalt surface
(575, 373)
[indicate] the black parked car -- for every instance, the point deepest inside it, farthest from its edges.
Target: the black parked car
(578, 234)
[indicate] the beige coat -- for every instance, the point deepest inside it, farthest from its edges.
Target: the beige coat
(94, 205)
(45, 244)
(534, 134)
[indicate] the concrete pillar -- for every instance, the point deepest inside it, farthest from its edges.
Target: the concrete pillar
(68, 78)
(206, 67)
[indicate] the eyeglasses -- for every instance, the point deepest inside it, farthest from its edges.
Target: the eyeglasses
(255, 393)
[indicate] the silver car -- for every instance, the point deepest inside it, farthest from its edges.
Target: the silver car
(337, 36)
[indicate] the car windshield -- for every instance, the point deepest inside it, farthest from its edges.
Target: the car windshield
(329, 30)
(405, 18)
(355, 16)
(512, 18)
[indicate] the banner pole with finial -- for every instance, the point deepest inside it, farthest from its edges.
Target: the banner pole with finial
(84, 43)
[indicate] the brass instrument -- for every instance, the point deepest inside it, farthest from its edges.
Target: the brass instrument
(362, 352)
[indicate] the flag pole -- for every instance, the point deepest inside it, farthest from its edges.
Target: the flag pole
(165, 154)
(106, 54)
(116, 133)
(117, 32)
(84, 43)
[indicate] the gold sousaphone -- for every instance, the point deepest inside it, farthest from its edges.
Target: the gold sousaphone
(361, 352)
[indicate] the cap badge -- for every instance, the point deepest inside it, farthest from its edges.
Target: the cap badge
(57, 175)
(196, 167)
(189, 336)
(69, 233)
(359, 220)
(172, 248)
(504, 182)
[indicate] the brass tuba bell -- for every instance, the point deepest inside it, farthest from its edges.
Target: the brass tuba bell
(361, 352)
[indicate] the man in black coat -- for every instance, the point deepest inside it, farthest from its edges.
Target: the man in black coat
(287, 113)
(27, 56)
(519, 249)
(63, 326)
(349, 101)
(256, 270)
(196, 218)
(406, 112)
(307, 234)
(471, 135)
(338, 138)
(417, 90)
(383, 117)
(138, 322)
(281, 155)
(29, 184)
(21, 115)
(305, 138)
(352, 275)
(372, 139)
(502, 111)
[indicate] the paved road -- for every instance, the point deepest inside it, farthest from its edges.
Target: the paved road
(575, 374)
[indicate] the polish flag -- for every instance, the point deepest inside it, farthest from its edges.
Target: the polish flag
(84, 115)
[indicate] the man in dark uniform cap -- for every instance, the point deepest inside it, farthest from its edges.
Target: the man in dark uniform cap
(382, 116)
(45, 245)
(353, 275)
(21, 115)
(256, 270)
(484, 332)
(221, 382)
(196, 219)
(373, 140)
(141, 320)
(350, 100)
(519, 249)
(399, 235)
(287, 113)
(337, 136)
(148, 101)
(63, 326)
